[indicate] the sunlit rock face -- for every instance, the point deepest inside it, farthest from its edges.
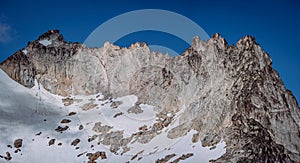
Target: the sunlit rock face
(223, 92)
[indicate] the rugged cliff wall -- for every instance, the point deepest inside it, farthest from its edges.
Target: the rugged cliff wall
(224, 92)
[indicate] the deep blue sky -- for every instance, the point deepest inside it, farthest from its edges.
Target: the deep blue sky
(275, 25)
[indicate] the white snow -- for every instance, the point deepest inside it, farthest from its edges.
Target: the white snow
(45, 42)
(127, 122)
(201, 154)
(22, 116)
(25, 51)
(23, 111)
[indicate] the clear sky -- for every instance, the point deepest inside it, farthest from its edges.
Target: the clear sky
(274, 24)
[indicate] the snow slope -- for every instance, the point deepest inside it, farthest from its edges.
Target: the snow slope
(33, 115)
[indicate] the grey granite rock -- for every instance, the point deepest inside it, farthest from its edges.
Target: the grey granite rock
(223, 92)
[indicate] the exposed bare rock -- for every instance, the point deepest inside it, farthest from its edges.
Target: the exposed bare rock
(26, 68)
(18, 143)
(19, 68)
(183, 157)
(72, 113)
(65, 121)
(88, 106)
(79, 155)
(223, 92)
(103, 155)
(51, 142)
(92, 138)
(17, 150)
(68, 101)
(53, 35)
(166, 158)
(114, 139)
(145, 135)
(195, 138)
(135, 156)
(116, 104)
(39, 133)
(118, 114)
(125, 149)
(8, 156)
(94, 156)
(143, 128)
(75, 142)
(101, 129)
(136, 109)
(61, 129)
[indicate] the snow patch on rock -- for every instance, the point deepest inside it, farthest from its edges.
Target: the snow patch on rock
(45, 42)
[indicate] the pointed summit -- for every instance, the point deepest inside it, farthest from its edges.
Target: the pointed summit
(246, 42)
(51, 37)
(198, 44)
(213, 94)
(218, 40)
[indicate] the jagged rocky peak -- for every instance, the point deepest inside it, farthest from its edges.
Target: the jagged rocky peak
(51, 36)
(58, 65)
(110, 45)
(249, 44)
(39, 57)
(138, 44)
(246, 42)
(198, 44)
(222, 92)
(217, 39)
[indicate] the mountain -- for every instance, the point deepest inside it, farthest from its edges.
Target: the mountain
(214, 102)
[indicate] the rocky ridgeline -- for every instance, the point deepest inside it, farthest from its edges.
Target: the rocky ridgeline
(226, 92)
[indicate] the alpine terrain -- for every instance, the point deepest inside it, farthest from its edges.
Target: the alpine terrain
(64, 102)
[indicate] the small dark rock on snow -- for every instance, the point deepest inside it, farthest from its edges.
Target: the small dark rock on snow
(18, 143)
(51, 142)
(75, 142)
(65, 121)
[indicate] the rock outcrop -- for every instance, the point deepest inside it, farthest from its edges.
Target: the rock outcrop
(228, 93)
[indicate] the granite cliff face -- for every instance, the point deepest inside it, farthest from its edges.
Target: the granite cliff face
(223, 92)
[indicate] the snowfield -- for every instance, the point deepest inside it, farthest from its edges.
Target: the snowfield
(34, 115)
(45, 42)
